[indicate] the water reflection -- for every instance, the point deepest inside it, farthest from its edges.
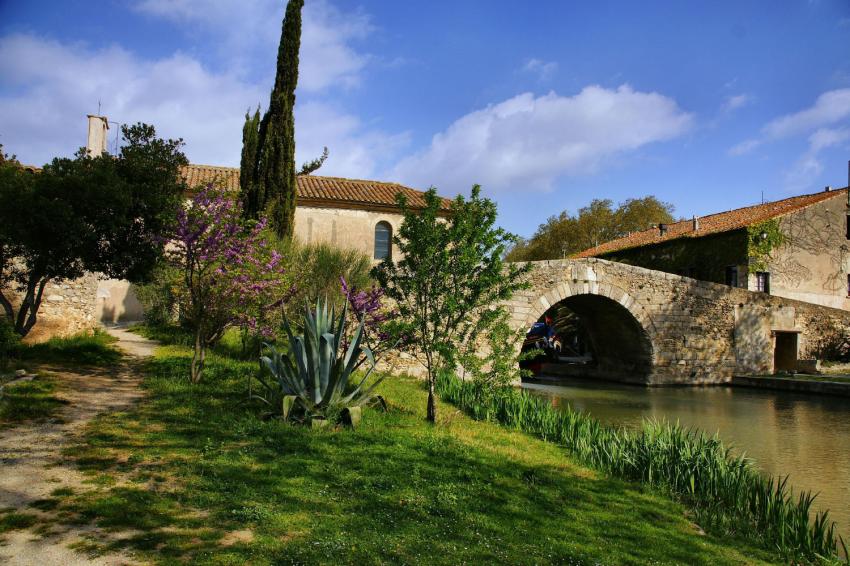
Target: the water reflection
(804, 436)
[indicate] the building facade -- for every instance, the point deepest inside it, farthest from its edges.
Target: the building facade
(795, 248)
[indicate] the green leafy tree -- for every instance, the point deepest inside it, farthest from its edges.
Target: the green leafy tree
(106, 214)
(565, 234)
(449, 276)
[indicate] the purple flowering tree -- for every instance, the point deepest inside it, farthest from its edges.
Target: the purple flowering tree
(231, 276)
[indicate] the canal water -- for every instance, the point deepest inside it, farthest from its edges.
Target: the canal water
(804, 436)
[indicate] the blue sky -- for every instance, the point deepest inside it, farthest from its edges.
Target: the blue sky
(703, 104)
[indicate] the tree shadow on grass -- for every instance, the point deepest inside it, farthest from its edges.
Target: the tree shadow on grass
(194, 463)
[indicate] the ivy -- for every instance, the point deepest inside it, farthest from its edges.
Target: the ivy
(762, 238)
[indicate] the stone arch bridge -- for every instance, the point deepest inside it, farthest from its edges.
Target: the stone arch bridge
(658, 328)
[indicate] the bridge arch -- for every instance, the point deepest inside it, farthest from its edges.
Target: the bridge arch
(622, 335)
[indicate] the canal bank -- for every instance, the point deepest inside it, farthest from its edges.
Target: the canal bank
(819, 385)
(800, 435)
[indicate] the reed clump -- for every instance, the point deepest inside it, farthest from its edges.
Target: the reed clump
(726, 492)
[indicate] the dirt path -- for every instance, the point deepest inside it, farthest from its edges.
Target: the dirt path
(32, 465)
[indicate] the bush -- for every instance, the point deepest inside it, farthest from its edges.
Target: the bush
(317, 270)
(9, 340)
(160, 296)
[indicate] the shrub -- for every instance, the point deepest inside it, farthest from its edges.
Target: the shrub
(9, 340)
(317, 380)
(160, 296)
(319, 267)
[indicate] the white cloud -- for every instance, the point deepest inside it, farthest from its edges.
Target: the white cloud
(735, 102)
(543, 69)
(527, 142)
(49, 87)
(809, 165)
(830, 108)
(247, 31)
(744, 147)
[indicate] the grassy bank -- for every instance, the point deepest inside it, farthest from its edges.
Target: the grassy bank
(727, 493)
(192, 475)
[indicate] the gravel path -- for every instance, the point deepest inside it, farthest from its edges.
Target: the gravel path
(33, 466)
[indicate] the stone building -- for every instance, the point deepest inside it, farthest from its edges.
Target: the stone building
(347, 213)
(810, 262)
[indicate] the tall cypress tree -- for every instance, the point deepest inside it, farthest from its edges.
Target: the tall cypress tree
(270, 185)
(248, 165)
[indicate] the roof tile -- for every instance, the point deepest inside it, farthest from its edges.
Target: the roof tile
(314, 189)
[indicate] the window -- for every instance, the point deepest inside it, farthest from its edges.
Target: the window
(383, 240)
(848, 284)
(732, 275)
(763, 282)
(848, 226)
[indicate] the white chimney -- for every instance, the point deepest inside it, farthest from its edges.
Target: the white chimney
(696, 223)
(96, 142)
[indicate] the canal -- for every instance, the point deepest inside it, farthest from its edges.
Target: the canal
(804, 436)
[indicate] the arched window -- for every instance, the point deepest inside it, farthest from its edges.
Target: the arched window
(383, 240)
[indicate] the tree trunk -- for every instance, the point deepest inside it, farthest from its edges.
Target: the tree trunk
(198, 358)
(432, 408)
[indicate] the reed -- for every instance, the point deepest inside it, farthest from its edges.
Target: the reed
(726, 492)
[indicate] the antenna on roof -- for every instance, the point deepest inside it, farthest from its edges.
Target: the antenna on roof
(98, 107)
(762, 196)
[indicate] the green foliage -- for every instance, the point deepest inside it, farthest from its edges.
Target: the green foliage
(762, 239)
(317, 269)
(84, 349)
(9, 340)
(271, 179)
(450, 273)
(498, 366)
(565, 234)
(105, 214)
(161, 295)
(248, 189)
(727, 493)
(317, 379)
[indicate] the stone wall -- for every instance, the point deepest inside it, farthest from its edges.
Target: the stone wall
(698, 332)
(67, 307)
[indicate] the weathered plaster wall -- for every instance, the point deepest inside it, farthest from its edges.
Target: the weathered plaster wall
(700, 332)
(346, 228)
(116, 302)
(814, 262)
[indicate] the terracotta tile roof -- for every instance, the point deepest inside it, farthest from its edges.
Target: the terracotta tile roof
(714, 223)
(318, 191)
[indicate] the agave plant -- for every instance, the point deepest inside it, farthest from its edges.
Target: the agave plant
(317, 378)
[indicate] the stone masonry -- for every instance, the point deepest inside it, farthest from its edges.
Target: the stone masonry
(659, 328)
(67, 307)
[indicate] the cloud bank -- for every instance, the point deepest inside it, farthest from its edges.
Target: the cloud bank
(528, 142)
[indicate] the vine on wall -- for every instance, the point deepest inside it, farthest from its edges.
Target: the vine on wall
(762, 238)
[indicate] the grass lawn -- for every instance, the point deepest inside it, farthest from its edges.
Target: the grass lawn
(191, 475)
(29, 400)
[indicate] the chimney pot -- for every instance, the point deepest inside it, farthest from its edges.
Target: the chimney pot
(827, 189)
(96, 141)
(662, 229)
(696, 223)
